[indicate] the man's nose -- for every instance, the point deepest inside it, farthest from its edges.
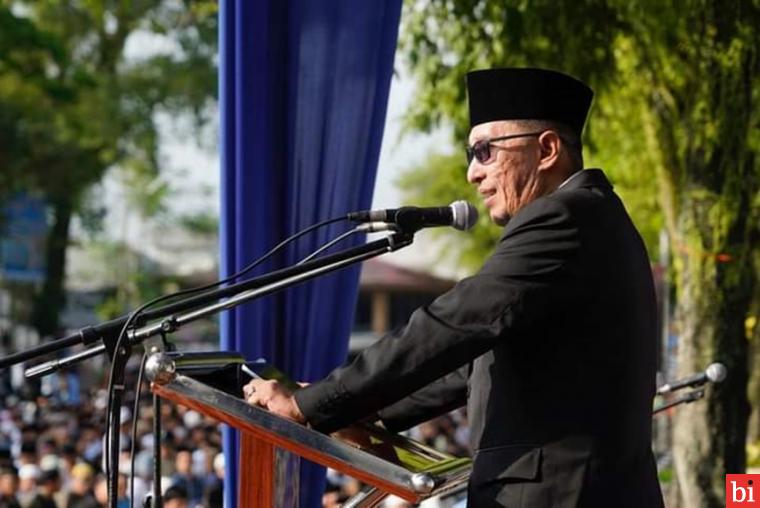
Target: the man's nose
(475, 173)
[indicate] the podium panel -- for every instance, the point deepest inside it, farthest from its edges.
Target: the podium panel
(390, 463)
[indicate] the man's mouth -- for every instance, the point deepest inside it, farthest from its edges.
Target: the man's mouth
(487, 195)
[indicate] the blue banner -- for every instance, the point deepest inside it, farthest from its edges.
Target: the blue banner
(23, 232)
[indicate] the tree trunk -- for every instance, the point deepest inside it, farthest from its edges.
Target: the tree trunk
(753, 432)
(51, 300)
(754, 386)
(715, 293)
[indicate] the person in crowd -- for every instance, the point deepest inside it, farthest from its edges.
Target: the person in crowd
(48, 484)
(8, 487)
(175, 497)
(184, 477)
(214, 489)
(80, 493)
(100, 490)
(28, 474)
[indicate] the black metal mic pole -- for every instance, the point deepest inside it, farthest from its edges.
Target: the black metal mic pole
(119, 361)
(156, 501)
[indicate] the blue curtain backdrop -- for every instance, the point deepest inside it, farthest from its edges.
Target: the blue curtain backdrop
(303, 92)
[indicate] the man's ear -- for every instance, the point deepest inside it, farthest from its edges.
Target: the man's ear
(550, 145)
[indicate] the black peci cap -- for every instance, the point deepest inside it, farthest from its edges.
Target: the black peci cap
(527, 94)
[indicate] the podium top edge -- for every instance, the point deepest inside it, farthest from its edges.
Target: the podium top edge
(326, 450)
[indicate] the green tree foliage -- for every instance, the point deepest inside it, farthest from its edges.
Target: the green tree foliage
(23, 53)
(74, 106)
(675, 124)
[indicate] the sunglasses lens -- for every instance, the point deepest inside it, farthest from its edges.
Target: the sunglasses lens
(482, 151)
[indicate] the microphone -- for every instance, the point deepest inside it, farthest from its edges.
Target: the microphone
(460, 215)
(715, 373)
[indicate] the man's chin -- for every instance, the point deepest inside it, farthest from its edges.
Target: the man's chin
(500, 218)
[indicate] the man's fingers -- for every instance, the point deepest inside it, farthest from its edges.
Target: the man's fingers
(273, 396)
(250, 390)
(257, 398)
(252, 386)
(252, 400)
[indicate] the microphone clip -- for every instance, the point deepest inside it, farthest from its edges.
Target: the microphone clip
(376, 227)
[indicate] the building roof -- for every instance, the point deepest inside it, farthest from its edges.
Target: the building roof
(380, 275)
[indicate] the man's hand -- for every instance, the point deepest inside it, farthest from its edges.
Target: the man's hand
(275, 397)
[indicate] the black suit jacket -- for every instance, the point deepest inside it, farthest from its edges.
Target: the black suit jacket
(552, 344)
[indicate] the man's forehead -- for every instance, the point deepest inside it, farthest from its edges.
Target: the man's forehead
(493, 129)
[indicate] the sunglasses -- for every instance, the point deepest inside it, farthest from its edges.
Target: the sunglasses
(481, 149)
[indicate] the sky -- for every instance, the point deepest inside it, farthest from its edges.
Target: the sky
(398, 152)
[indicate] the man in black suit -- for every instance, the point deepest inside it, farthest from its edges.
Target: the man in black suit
(551, 344)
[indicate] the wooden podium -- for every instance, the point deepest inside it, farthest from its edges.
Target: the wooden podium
(211, 383)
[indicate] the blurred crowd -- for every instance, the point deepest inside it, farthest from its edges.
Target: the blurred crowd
(51, 448)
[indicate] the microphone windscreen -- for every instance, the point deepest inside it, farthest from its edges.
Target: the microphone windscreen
(716, 372)
(464, 214)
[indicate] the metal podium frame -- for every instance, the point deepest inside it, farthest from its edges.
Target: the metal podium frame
(389, 463)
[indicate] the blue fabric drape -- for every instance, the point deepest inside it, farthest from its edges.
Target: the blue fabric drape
(303, 93)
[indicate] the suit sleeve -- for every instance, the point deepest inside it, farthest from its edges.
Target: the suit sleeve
(530, 269)
(437, 398)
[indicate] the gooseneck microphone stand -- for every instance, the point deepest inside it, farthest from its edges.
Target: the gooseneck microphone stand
(171, 319)
(688, 398)
(236, 294)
